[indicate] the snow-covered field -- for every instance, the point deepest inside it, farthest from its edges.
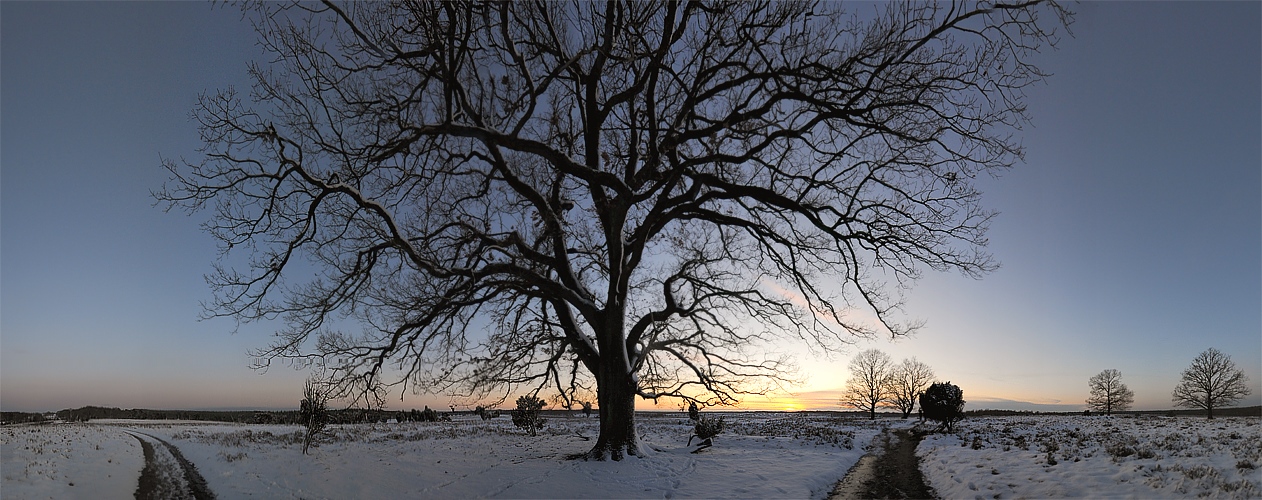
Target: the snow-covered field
(1096, 456)
(68, 461)
(761, 455)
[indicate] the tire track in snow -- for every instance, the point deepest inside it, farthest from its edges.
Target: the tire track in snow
(157, 480)
(890, 471)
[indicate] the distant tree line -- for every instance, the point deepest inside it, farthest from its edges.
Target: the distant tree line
(87, 413)
(18, 417)
(285, 417)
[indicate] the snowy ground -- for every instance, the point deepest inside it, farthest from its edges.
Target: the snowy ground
(761, 455)
(68, 461)
(1096, 456)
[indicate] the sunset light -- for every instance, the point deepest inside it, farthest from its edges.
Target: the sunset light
(434, 249)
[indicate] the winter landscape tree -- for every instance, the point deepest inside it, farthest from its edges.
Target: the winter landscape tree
(871, 383)
(1213, 381)
(1108, 393)
(943, 402)
(630, 198)
(907, 381)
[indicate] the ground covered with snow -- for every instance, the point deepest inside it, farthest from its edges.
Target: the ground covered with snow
(68, 461)
(760, 455)
(1097, 457)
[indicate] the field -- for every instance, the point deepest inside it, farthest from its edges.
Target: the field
(68, 461)
(761, 455)
(1116, 457)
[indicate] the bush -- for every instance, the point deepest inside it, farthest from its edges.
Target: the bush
(486, 414)
(313, 411)
(705, 429)
(587, 409)
(693, 413)
(1119, 450)
(526, 416)
(943, 402)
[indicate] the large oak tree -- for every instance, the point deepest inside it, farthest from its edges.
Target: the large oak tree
(626, 198)
(1213, 381)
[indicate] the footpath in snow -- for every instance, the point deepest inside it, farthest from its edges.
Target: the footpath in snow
(889, 470)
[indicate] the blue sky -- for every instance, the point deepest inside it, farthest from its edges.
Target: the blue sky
(1131, 238)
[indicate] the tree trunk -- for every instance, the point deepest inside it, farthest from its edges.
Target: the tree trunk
(616, 394)
(1209, 409)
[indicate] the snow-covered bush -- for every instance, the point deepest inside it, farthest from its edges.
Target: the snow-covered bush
(527, 415)
(693, 413)
(705, 429)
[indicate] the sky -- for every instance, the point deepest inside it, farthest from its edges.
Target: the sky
(1130, 238)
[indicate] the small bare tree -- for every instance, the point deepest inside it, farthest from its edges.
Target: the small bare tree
(871, 383)
(909, 379)
(1108, 393)
(313, 410)
(1213, 381)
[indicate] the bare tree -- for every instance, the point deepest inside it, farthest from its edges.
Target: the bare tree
(871, 382)
(630, 198)
(1213, 381)
(908, 380)
(1108, 393)
(313, 411)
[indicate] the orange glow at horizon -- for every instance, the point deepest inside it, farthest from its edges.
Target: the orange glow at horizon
(773, 403)
(778, 403)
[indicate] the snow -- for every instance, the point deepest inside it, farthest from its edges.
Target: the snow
(471, 458)
(68, 461)
(1096, 456)
(760, 455)
(169, 477)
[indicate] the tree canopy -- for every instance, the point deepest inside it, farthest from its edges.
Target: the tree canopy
(1108, 393)
(1212, 381)
(626, 198)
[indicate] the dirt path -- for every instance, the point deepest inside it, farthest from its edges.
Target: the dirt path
(892, 472)
(159, 481)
